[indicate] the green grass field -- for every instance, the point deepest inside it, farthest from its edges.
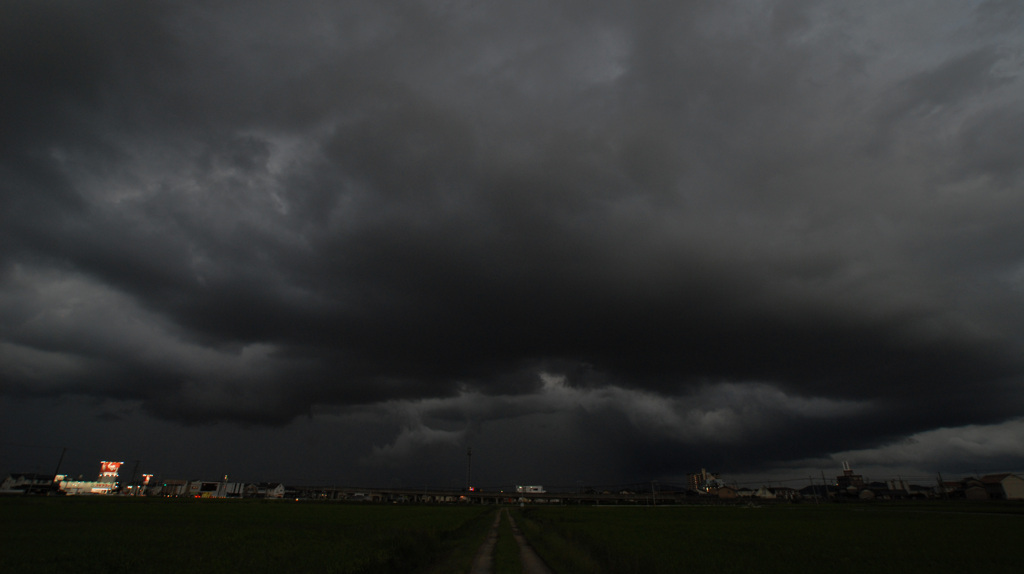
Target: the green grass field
(113, 535)
(780, 538)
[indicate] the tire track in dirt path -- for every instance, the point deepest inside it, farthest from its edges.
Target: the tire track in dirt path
(532, 564)
(485, 555)
(484, 559)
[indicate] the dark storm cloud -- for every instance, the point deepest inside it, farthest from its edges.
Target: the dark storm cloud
(251, 212)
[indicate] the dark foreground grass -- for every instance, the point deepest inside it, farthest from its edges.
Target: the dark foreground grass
(790, 538)
(113, 535)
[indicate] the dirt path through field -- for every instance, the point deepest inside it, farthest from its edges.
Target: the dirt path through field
(482, 563)
(485, 555)
(532, 564)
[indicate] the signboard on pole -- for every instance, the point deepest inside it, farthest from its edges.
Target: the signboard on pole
(109, 468)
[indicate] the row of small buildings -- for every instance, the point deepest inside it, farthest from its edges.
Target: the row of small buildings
(109, 482)
(990, 487)
(1003, 486)
(701, 485)
(49, 484)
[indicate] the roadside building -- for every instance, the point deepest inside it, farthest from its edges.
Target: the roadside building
(531, 489)
(265, 490)
(1005, 486)
(703, 481)
(215, 489)
(726, 492)
(108, 479)
(785, 493)
(233, 490)
(974, 489)
(79, 487)
(172, 487)
(848, 481)
(29, 483)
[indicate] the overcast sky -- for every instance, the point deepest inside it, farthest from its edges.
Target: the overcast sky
(599, 242)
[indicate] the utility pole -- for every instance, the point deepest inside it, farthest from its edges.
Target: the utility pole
(56, 485)
(942, 487)
(132, 484)
(469, 465)
(60, 461)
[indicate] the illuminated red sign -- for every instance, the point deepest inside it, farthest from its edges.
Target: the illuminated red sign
(109, 468)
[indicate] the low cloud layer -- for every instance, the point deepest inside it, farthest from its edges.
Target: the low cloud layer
(649, 238)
